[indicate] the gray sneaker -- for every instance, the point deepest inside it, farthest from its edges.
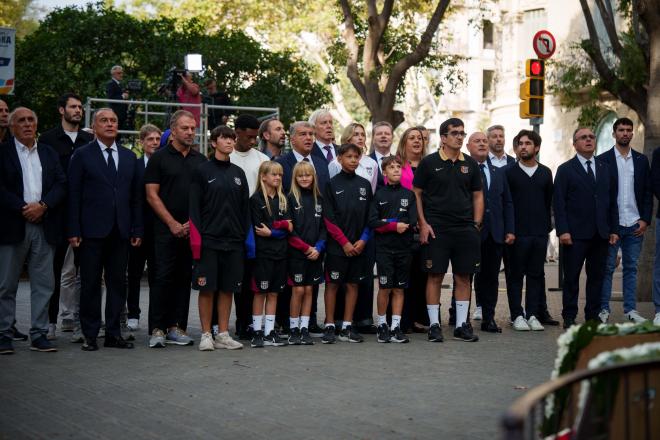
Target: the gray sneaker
(68, 325)
(126, 332)
(177, 336)
(157, 339)
(51, 335)
(77, 336)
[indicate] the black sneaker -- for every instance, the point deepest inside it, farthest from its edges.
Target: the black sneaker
(383, 333)
(397, 335)
(464, 333)
(306, 337)
(294, 337)
(329, 335)
(257, 339)
(18, 336)
(435, 333)
(350, 335)
(274, 340)
(42, 344)
(314, 330)
(6, 346)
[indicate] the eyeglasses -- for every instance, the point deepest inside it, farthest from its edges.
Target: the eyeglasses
(456, 133)
(584, 137)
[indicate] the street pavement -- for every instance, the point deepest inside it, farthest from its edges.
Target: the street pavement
(420, 390)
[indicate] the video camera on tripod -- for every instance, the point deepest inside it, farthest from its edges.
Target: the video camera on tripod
(172, 82)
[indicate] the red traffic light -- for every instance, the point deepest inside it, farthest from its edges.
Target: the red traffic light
(536, 68)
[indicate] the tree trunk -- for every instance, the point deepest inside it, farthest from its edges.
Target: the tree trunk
(394, 117)
(651, 142)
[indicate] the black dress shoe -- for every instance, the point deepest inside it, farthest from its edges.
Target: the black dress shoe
(546, 319)
(490, 326)
(116, 342)
(89, 345)
(569, 322)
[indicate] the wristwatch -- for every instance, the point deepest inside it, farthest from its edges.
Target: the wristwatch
(478, 225)
(43, 204)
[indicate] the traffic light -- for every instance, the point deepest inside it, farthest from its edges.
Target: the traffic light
(532, 90)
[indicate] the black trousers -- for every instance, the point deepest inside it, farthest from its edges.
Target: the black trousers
(486, 281)
(243, 299)
(364, 307)
(169, 294)
(105, 257)
(593, 255)
(527, 258)
(58, 263)
(137, 257)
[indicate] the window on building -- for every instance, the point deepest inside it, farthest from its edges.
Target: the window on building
(487, 84)
(488, 31)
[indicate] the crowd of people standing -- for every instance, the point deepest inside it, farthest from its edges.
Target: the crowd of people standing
(263, 228)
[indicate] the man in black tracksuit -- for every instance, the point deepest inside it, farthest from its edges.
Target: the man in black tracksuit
(346, 202)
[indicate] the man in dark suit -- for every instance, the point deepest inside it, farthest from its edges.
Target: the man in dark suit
(32, 188)
(301, 135)
(587, 221)
(496, 231)
(324, 146)
(105, 215)
(635, 203)
(4, 122)
(115, 90)
(496, 156)
(381, 146)
(64, 138)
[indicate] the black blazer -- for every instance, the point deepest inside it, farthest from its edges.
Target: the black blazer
(655, 176)
(643, 192)
(53, 193)
(148, 215)
(96, 204)
(62, 144)
(381, 181)
(114, 91)
(288, 161)
(582, 208)
(498, 214)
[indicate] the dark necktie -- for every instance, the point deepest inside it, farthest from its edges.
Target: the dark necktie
(328, 153)
(305, 159)
(482, 167)
(590, 172)
(112, 168)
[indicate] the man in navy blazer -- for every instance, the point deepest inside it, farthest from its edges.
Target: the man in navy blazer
(496, 231)
(324, 146)
(301, 136)
(105, 215)
(496, 156)
(381, 146)
(32, 188)
(586, 221)
(635, 204)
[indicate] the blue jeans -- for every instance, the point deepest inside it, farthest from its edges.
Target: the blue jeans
(631, 247)
(656, 268)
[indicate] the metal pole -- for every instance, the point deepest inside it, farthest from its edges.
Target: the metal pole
(88, 110)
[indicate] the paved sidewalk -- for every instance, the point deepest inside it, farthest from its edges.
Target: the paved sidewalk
(420, 390)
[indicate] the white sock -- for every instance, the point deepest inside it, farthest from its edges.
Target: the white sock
(293, 322)
(382, 319)
(433, 310)
(345, 324)
(269, 324)
(304, 322)
(396, 321)
(461, 312)
(256, 322)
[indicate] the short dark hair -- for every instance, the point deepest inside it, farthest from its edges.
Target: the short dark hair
(453, 122)
(388, 160)
(622, 121)
(222, 131)
(345, 148)
(62, 100)
(246, 121)
(532, 135)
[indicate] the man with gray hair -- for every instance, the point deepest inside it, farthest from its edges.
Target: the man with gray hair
(324, 133)
(115, 90)
(272, 138)
(32, 188)
(496, 155)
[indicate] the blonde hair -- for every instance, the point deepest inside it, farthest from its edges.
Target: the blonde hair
(401, 149)
(349, 132)
(275, 168)
(303, 168)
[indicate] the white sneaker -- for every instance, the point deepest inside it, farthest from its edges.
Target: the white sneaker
(477, 315)
(635, 317)
(51, 332)
(535, 324)
(223, 340)
(133, 324)
(656, 320)
(604, 315)
(206, 343)
(520, 324)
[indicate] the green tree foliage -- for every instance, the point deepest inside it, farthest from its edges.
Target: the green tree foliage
(73, 50)
(20, 15)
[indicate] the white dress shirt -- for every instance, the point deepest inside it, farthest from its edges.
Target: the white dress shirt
(498, 162)
(115, 152)
(31, 170)
(146, 160)
(592, 163)
(628, 212)
(299, 158)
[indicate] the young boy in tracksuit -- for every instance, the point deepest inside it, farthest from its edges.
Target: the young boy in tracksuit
(346, 202)
(393, 216)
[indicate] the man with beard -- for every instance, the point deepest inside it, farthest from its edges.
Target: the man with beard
(496, 156)
(4, 121)
(64, 138)
(272, 138)
(635, 203)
